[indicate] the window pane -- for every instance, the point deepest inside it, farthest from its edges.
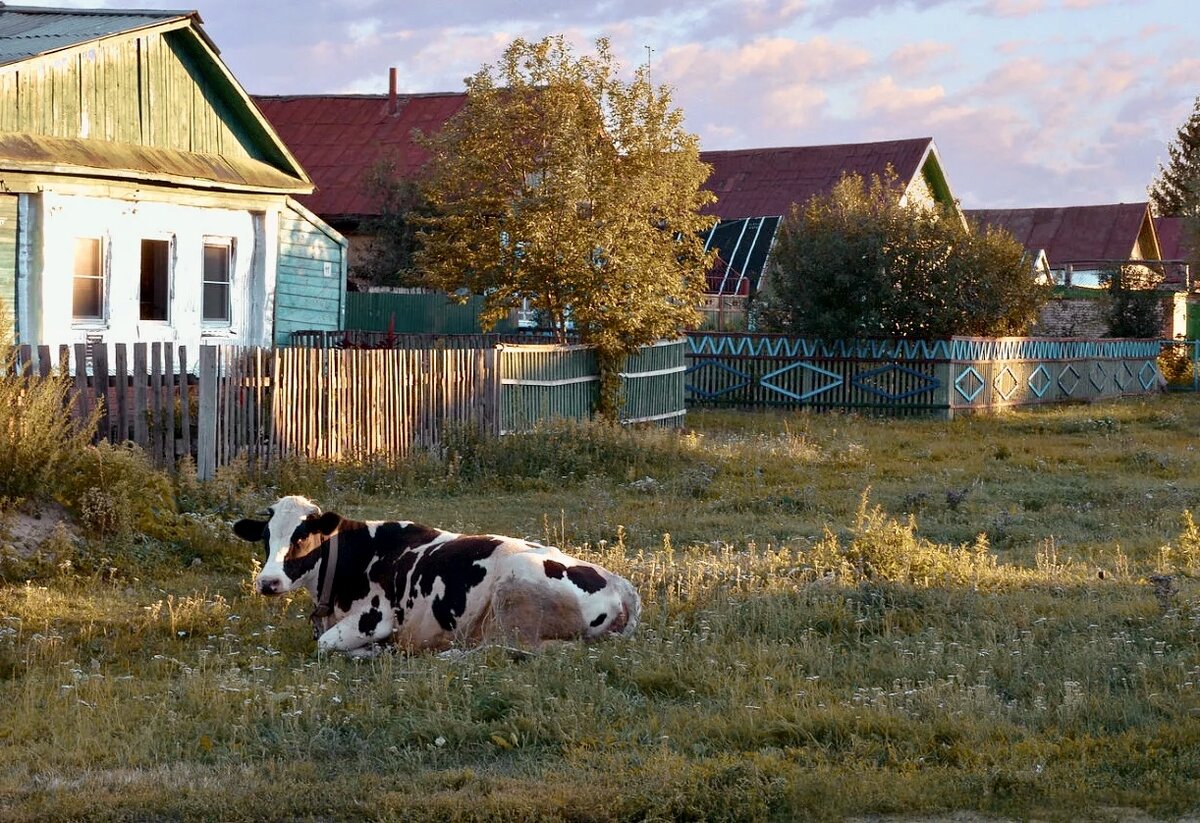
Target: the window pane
(87, 256)
(154, 296)
(87, 302)
(216, 302)
(216, 282)
(88, 299)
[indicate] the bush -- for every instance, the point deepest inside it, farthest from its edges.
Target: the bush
(855, 263)
(40, 440)
(115, 491)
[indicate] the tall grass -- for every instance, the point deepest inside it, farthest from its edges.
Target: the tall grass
(39, 440)
(817, 642)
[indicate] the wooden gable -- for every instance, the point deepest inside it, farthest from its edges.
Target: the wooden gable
(161, 88)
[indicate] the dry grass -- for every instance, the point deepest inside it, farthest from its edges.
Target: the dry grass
(826, 634)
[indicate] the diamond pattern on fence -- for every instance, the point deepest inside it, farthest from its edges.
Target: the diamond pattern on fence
(694, 390)
(1098, 376)
(1040, 381)
(969, 383)
(1068, 379)
(1148, 374)
(1005, 383)
(879, 382)
(1122, 375)
(834, 380)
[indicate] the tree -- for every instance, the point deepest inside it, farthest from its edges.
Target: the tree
(561, 185)
(855, 262)
(389, 258)
(1135, 306)
(1176, 190)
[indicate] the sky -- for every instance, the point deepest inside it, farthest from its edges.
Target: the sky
(1030, 102)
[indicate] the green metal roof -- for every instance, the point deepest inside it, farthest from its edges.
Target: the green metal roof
(30, 31)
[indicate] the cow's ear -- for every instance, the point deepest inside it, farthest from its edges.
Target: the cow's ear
(251, 530)
(326, 523)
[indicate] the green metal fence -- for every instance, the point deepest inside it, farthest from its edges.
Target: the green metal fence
(416, 313)
(540, 382)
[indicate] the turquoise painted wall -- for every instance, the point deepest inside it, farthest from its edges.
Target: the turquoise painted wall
(8, 261)
(310, 287)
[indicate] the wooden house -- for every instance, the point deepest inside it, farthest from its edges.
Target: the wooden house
(756, 189)
(143, 196)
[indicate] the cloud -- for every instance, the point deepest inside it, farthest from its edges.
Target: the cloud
(1010, 8)
(885, 95)
(914, 59)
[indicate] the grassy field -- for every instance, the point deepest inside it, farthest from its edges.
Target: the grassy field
(844, 617)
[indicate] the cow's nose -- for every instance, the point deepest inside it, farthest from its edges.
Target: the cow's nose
(268, 585)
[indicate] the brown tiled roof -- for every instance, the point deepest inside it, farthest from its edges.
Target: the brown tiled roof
(1072, 234)
(338, 138)
(766, 182)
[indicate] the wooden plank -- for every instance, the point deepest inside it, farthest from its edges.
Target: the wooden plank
(185, 404)
(140, 409)
(82, 405)
(169, 405)
(100, 385)
(155, 447)
(206, 415)
(45, 364)
(121, 390)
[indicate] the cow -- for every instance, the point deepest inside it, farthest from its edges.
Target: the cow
(382, 582)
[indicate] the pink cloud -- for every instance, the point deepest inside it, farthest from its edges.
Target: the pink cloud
(916, 58)
(885, 95)
(1010, 8)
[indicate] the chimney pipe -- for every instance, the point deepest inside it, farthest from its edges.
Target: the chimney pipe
(392, 102)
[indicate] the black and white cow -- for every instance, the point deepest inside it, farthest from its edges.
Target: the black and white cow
(427, 589)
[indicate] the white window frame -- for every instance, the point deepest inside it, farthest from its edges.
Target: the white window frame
(90, 322)
(230, 245)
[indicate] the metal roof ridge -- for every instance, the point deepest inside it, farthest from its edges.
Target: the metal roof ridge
(82, 12)
(356, 95)
(764, 149)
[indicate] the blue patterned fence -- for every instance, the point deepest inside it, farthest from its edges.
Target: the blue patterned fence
(941, 377)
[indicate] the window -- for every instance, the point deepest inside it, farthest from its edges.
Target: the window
(87, 301)
(218, 264)
(154, 297)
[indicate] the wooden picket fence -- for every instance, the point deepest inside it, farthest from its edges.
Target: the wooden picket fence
(144, 392)
(261, 405)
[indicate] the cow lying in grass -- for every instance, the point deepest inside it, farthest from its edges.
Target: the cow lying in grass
(427, 589)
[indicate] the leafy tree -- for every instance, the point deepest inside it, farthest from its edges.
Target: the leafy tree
(388, 259)
(1176, 190)
(855, 262)
(562, 185)
(1135, 306)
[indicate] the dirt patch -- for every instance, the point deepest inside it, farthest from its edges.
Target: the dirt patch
(26, 530)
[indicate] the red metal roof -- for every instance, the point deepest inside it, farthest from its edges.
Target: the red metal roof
(1172, 239)
(766, 182)
(1073, 234)
(338, 138)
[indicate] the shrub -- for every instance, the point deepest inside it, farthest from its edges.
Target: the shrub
(856, 262)
(115, 491)
(39, 439)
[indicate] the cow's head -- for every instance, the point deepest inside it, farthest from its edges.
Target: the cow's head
(292, 536)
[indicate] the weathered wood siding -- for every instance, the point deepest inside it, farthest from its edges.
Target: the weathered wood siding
(158, 89)
(8, 261)
(311, 283)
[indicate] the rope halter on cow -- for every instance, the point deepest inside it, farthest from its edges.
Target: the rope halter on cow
(322, 615)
